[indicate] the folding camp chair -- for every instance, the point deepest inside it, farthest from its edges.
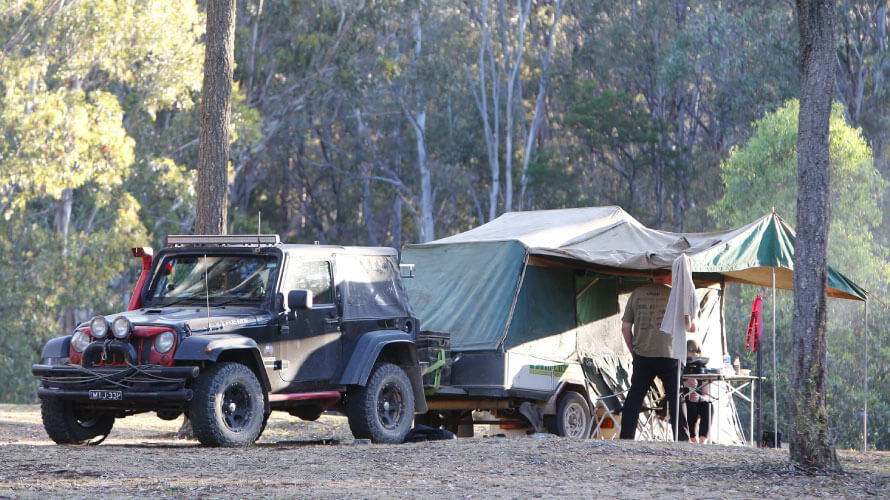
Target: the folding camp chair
(603, 414)
(647, 426)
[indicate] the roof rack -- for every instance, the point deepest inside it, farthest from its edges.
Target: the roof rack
(178, 240)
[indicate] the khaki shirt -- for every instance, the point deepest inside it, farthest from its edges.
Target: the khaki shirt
(645, 309)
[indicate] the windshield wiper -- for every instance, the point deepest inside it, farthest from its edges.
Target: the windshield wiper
(179, 300)
(233, 299)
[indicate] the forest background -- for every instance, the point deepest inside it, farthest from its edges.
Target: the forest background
(363, 122)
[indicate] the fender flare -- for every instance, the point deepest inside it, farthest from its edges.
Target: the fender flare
(568, 385)
(56, 348)
(366, 352)
(210, 347)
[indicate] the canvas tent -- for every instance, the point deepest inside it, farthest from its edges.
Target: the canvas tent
(525, 277)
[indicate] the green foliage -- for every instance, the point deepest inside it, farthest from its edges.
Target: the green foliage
(762, 175)
(552, 183)
(57, 140)
(625, 140)
(82, 84)
(612, 119)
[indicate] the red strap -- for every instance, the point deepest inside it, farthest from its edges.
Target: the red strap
(755, 325)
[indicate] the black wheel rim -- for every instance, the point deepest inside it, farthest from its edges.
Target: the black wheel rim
(390, 406)
(236, 406)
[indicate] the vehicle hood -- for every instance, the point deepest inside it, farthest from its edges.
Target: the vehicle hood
(195, 319)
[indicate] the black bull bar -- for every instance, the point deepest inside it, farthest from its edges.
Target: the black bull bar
(141, 386)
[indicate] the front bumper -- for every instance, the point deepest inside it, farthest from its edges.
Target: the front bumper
(142, 387)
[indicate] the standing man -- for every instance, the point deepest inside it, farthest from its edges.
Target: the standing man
(652, 354)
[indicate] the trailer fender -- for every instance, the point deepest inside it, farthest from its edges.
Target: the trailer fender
(567, 385)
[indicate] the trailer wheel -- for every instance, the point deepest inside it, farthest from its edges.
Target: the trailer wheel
(572, 417)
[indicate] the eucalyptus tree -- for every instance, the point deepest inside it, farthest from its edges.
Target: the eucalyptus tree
(863, 63)
(216, 108)
(701, 72)
(810, 443)
(294, 62)
(496, 82)
(78, 78)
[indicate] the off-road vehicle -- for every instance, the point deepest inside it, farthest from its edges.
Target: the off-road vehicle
(228, 328)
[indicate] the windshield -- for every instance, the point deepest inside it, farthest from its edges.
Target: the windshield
(222, 278)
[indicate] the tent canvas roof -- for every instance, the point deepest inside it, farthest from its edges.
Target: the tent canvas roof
(466, 284)
(744, 255)
(609, 236)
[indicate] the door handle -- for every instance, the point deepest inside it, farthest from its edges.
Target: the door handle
(332, 321)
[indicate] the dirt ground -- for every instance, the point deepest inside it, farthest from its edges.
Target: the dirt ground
(142, 459)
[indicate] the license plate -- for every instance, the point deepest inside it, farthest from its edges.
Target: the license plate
(106, 395)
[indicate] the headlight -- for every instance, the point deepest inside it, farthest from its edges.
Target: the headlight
(164, 342)
(80, 341)
(121, 328)
(99, 327)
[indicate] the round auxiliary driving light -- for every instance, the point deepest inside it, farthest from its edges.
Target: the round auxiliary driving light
(164, 342)
(121, 328)
(80, 341)
(99, 327)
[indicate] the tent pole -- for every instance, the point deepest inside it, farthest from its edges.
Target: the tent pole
(865, 393)
(758, 409)
(677, 404)
(775, 373)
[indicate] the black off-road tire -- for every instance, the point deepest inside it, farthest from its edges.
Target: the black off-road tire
(66, 424)
(383, 409)
(227, 407)
(572, 417)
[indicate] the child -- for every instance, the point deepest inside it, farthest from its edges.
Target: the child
(698, 403)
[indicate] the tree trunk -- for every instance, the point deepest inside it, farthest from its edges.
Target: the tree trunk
(216, 106)
(810, 443)
(491, 128)
(213, 148)
(367, 212)
(427, 230)
(62, 224)
(418, 120)
(539, 105)
(512, 103)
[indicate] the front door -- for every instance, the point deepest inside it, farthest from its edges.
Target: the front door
(311, 351)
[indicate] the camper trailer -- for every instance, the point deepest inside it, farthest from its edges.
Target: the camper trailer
(528, 307)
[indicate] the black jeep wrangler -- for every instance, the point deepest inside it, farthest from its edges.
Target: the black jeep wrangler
(228, 328)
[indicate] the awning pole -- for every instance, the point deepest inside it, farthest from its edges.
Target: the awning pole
(677, 404)
(775, 375)
(865, 393)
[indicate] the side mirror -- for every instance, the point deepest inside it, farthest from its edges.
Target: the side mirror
(406, 270)
(299, 300)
